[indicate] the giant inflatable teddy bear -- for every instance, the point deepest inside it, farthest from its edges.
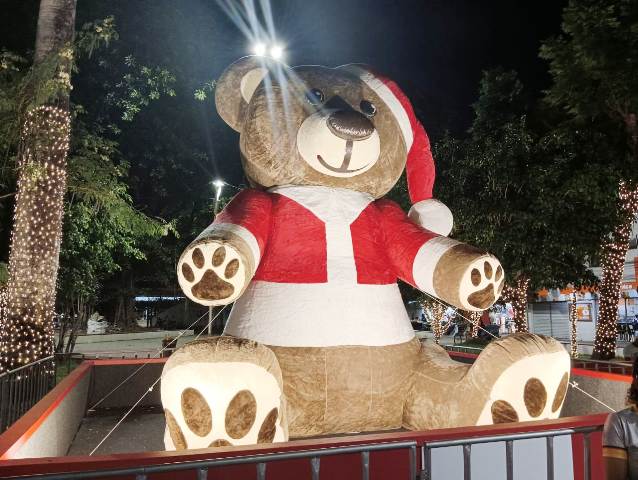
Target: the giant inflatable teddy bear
(318, 340)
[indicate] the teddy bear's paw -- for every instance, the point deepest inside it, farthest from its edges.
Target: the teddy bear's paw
(482, 283)
(530, 388)
(212, 273)
(221, 404)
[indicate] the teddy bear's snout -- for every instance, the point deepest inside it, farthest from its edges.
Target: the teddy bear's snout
(350, 125)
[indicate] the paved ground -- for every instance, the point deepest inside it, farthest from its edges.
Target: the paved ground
(144, 347)
(128, 348)
(142, 431)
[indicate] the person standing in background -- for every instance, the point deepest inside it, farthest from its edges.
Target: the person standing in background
(620, 437)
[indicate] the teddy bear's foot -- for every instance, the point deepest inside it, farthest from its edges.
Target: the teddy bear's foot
(223, 391)
(519, 378)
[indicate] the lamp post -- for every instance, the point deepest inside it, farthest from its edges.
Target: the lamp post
(219, 185)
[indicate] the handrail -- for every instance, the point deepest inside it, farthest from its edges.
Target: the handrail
(260, 459)
(51, 357)
(511, 436)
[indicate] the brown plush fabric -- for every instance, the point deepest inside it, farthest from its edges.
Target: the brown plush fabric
(187, 271)
(561, 391)
(267, 431)
(198, 258)
(174, 431)
(268, 141)
(226, 349)
(346, 389)
(503, 412)
(535, 397)
(214, 287)
(445, 393)
(196, 412)
(450, 271)
(230, 104)
(220, 442)
(211, 287)
(218, 256)
(240, 415)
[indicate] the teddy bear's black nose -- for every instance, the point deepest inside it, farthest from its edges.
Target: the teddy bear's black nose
(350, 125)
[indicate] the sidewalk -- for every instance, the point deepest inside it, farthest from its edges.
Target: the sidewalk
(129, 346)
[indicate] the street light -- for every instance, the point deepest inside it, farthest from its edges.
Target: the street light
(273, 50)
(219, 185)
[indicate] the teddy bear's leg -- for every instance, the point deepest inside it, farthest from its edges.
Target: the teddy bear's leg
(346, 389)
(518, 378)
(223, 391)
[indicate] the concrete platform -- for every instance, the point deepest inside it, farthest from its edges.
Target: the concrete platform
(142, 431)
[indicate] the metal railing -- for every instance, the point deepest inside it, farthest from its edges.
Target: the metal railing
(260, 461)
(549, 435)
(621, 368)
(22, 388)
(463, 349)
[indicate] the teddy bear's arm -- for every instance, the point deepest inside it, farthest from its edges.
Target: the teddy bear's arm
(218, 265)
(457, 273)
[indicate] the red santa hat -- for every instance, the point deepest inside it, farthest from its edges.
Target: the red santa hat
(428, 212)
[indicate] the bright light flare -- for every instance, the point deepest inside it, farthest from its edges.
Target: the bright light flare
(260, 49)
(277, 52)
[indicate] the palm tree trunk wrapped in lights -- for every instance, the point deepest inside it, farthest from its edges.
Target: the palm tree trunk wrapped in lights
(517, 296)
(613, 262)
(573, 323)
(26, 326)
(438, 311)
(475, 317)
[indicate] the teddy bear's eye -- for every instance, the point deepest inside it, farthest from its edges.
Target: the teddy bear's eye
(367, 108)
(315, 96)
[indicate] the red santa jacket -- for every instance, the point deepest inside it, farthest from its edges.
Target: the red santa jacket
(293, 234)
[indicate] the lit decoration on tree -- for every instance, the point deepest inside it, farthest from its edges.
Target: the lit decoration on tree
(475, 318)
(438, 311)
(517, 296)
(26, 324)
(613, 262)
(573, 323)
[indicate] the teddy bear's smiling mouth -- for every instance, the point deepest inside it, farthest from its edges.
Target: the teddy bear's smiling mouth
(346, 161)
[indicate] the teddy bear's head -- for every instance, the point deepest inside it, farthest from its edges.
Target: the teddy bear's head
(311, 125)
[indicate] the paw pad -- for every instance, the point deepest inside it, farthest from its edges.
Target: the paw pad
(211, 273)
(240, 417)
(534, 399)
(486, 279)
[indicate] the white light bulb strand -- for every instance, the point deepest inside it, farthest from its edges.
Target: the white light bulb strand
(613, 259)
(26, 320)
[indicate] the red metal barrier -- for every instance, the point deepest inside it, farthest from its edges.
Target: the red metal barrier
(391, 464)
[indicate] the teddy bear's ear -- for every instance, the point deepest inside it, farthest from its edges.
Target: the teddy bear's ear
(236, 86)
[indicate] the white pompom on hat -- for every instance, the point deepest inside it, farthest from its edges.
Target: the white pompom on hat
(431, 214)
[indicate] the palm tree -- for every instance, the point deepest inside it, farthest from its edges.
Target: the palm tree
(26, 328)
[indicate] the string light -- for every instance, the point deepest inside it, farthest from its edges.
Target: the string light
(613, 262)
(438, 311)
(517, 296)
(26, 321)
(573, 323)
(475, 318)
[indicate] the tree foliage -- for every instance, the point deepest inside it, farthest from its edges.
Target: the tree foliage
(594, 67)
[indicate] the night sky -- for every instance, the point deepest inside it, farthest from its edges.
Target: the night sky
(435, 50)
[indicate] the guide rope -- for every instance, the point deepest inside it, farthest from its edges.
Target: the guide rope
(158, 353)
(149, 390)
(572, 384)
